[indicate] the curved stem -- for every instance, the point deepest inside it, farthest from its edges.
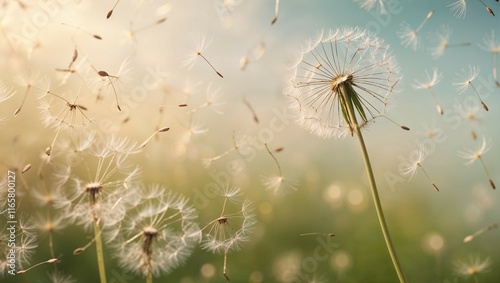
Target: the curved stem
(99, 250)
(348, 92)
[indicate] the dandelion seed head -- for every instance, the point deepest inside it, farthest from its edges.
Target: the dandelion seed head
(158, 233)
(94, 180)
(350, 57)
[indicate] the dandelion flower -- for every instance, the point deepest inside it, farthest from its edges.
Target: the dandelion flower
(414, 162)
(429, 84)
(338, 79)
(490, 44)
(472, 267)
(231, 229)
(471, 155)
(158, 233)
(326, 67)
(410, 37)
(465, 80)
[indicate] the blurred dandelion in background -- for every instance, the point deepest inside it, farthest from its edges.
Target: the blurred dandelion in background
(492, 45)
(158, 233)
(442, 37)
(232, 228)
(429, 84)
(473, 266)
(471, 155)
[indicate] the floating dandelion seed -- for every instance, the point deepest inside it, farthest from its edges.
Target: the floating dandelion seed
(316, 233)
(249, 106)
(472, 267)
(213, 96)
(429, 84)
(479, 232)
(442, 37)
(131, 32)
(239, 143)
(253, 55)
(70, 68)
(471, 114)
(276, 10)
(459, 8)
(158, 233)
(338, 78)
(201, 42)
(492, 45)
(410, 37)
(24, 234)
(466, 80)
(477, 154)
(68, 115)
(278, 184)
(52, 260)
(108, 15)
(231, 229)
(161, 130)
(369, 4)
(96, 36)
(414, 162)
(28, 83)
(6, 92)
(109, 79)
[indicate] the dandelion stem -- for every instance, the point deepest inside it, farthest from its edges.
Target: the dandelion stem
(348, 93)
(99, 250)
(149, 277)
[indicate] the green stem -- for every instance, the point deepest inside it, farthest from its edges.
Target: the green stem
(100, 253)
(347, 93)
(149, 277)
